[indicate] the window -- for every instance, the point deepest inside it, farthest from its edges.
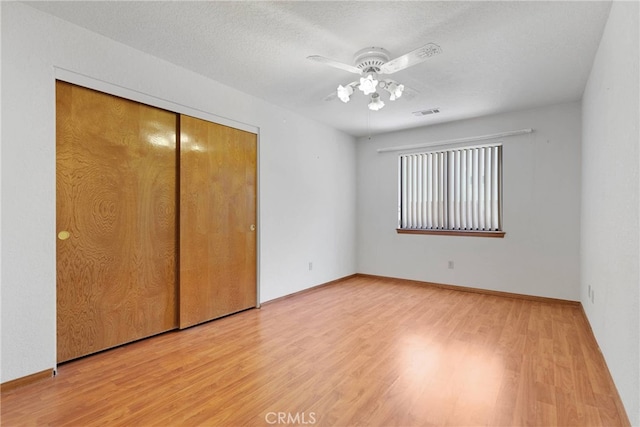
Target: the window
(455, 191)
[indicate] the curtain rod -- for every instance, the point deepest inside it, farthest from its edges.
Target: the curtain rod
(455, 141)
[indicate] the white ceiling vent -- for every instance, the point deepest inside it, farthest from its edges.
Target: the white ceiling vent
(426, 112)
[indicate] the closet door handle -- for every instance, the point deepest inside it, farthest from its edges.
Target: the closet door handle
(252, 227)
(64, 235)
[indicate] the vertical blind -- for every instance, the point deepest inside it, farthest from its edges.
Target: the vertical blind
(456, 189)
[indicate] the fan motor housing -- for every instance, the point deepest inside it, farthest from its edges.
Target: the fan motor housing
(370, 59)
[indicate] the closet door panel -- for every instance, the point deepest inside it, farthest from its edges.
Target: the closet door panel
(217, 220)
(116, 221)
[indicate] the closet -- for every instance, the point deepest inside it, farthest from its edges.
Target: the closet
(155, 215)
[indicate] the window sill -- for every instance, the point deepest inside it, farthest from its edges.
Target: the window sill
(468, 233)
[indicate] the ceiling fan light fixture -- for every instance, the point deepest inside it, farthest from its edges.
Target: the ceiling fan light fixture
(395, 90)
(376, 103)
(368, 84)
(344, 93)
(372, 62)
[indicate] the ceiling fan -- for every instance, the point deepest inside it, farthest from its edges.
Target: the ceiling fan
(371, 62)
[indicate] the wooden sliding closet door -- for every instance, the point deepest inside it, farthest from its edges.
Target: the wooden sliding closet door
(217, 220)
(116, 220)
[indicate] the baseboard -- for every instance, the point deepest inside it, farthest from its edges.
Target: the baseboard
(29, 379)
(313, 288)
(475, 290)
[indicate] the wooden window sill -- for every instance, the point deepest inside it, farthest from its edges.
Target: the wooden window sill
(469, 233)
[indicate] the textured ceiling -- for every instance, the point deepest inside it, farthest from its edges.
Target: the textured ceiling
(496, 56)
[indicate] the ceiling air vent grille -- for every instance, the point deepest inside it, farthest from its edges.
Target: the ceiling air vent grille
(426, 112)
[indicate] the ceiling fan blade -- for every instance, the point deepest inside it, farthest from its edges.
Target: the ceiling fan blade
(335, 64)
(412, 58)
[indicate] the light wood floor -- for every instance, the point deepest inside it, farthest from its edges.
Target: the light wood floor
(364, 351)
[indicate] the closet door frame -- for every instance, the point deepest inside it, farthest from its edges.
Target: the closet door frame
(72, 77)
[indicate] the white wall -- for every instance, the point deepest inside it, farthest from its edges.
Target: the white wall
(541, 201)
(610, 247)
(307, 179)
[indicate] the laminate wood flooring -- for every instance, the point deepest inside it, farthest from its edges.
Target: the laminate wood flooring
(360, 352)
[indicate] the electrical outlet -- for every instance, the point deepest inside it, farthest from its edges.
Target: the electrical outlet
(593, 296)
(310, 266)
(450, 265)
